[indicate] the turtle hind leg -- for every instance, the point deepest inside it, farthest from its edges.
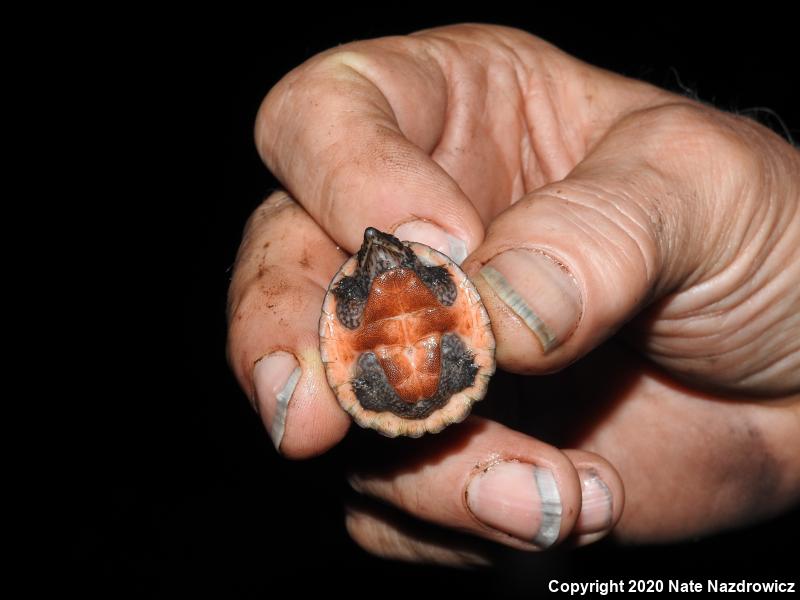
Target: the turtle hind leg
(351, 298)
(371, 386)
(374, 392)
(439, 281)
(458, 366)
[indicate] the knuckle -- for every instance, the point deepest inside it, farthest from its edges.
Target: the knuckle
(620, 231)
(270, 217)
(264, 310)
(276, 205)
(679, 115)
(243, 308)
(408, 497)
(373, 536)
(337, 62)
(683, 121)
(282, 115)
(310, 89)
(272, 289)
(702, 136)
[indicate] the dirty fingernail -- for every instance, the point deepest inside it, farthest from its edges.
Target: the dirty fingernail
(435, 237)
(596, 512)
(539, 290)
(275, 377)
(519, 499)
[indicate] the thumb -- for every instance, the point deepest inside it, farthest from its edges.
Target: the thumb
(670, 204)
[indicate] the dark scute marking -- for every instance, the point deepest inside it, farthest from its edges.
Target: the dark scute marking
(374, 392)
(439, 282)
(351, 297)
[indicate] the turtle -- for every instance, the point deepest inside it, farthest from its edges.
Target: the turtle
(406, 342)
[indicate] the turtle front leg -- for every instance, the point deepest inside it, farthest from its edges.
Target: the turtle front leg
(351, 294)
(439, 281)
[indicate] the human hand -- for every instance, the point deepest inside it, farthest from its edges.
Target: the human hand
(607, 205)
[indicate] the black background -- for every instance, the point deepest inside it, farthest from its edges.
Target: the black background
(179, 487)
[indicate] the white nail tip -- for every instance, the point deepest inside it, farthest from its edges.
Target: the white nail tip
(435, 237)
(550, 508)
(458, 249)
(282, 406)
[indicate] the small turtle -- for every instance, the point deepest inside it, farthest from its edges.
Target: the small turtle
(404, 337)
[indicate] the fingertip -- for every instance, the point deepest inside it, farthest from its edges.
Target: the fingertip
(454, 245)
(553, 287)
(306, 420)
(275, 378)
(484, 478)
(602, 496)
(536, 501)
(282, 271)
(540, 290)
(518, 347)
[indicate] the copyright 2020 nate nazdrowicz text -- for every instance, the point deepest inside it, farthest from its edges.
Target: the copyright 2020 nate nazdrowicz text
(583, 588)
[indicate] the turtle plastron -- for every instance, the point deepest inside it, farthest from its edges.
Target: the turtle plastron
(406, 342)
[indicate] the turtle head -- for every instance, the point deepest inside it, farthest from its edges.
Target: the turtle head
(381, 252)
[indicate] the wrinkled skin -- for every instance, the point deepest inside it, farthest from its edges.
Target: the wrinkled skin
(679, 224)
